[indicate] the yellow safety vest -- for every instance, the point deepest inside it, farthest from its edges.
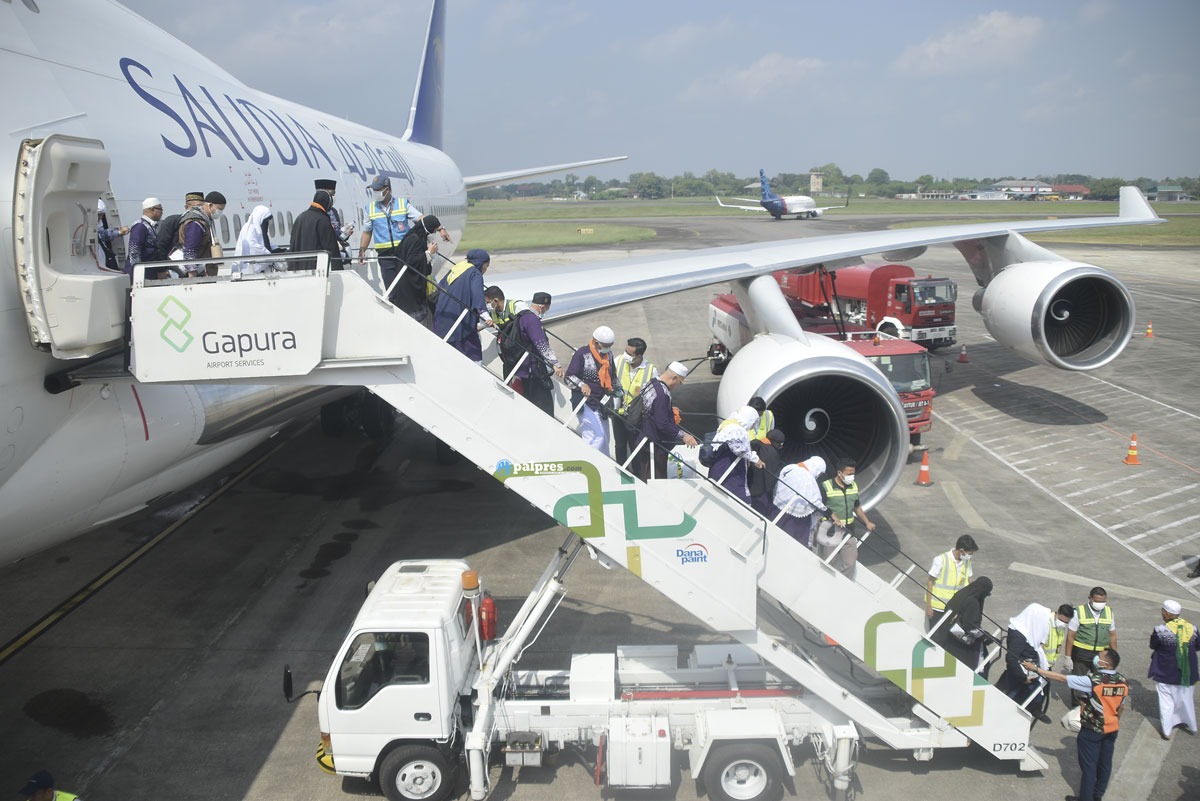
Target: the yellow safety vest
(1093, 635)
(632, 379)
(766, 421)
(375, 212)
(950, 580)
(1054, 642)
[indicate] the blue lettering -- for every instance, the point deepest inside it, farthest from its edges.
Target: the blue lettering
(190, 149)
(292, 134)
(312, 143)
(264, 158)
(250, 107)
(193, 106)
(352, 164)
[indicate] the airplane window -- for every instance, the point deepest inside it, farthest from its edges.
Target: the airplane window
(237, 224)
(289, 221)
(224, 228)
(278, 216)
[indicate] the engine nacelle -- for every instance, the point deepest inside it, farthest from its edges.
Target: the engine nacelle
(828, 400)
(1063, 313)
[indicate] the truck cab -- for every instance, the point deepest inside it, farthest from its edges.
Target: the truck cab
(419, 668)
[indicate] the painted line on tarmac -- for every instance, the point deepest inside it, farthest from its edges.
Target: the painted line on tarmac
(960, 504)
(1085, 581)
(1042, 488)
(18, 643)
(1135, 778)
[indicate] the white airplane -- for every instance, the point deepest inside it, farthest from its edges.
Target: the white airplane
(108, 106)
(803, 206)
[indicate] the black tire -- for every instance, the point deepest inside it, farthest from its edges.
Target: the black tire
(416, 773)
(718, 366)
(378, 418)
(742, 772)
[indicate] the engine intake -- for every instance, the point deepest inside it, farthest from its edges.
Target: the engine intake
(828, 401)
(1063, 313)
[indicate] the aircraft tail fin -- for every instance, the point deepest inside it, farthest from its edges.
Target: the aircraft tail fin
(767, 194)
(425, 116)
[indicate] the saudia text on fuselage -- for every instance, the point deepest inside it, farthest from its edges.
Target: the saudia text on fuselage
(291, 142)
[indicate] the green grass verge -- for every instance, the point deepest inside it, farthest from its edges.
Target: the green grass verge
(526, 235)
(1177, 231)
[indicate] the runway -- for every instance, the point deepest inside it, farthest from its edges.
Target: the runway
(166, 680)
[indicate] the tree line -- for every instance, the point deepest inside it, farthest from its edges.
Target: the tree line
(877, 183)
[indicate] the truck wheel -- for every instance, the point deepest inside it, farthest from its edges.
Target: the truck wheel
(416, 773)
(742, 772)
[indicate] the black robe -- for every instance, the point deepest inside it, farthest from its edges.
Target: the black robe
(313, 231)
(410, 293)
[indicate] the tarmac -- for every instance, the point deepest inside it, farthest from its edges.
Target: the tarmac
(158, 672)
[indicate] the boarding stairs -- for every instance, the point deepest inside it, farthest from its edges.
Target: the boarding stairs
(687, 538)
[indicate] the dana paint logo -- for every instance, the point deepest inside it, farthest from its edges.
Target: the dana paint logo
(691, 554)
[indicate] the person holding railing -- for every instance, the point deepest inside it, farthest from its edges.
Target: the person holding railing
(660, 430)
(798, 497)
(733, 453)
(590, 376)
(461, 306)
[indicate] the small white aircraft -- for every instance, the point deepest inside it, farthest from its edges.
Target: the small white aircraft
(103, 104)
(802, 206)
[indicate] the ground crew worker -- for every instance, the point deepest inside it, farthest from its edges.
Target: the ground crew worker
(841, 496)
(949, 573)
(40, 787)
(766, 418)
(633, 374)
(1059, 621)
(1105, 691)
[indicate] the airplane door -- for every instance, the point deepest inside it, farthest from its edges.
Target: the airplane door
(74, 309)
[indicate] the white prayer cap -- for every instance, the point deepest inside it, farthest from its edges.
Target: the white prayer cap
(150, 203)
(678, 369)
(604, 335)
(1173, 607)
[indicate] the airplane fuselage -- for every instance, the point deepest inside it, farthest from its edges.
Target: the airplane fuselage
(171, 122)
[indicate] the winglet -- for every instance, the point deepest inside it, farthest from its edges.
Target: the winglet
(1134, 205)
(425, 116)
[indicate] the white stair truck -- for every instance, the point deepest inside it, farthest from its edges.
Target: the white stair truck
(688, 539)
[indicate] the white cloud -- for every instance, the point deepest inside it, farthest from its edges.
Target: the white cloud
(681, 40)
(1095, 11)
(770, 73)
(988, 41)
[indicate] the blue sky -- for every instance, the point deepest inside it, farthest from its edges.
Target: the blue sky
(937, 87)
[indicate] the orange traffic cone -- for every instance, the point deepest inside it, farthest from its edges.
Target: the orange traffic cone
(1149, 329)
(962, 355)
(1131, 457)
(923, 479)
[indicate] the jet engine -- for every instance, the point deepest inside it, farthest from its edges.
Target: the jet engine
(828, 400)
(1062, 313)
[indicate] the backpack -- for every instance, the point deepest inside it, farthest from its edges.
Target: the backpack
(168, 232)
(511, 341)
(708, 450)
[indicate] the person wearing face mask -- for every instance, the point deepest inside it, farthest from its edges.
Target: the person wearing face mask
(660, 426)
(532, 377)
(949, 573)
(961, 633)
(342, 231)
(387, 220)
(459, 290)
(312, 231)
(1091, 631)
(1028, 634)
(416, 250)
(1174, 668)
(1105, 692)
(841, 496)
(198, 234)
(633, 374)
(590, 376)
(1059, 621)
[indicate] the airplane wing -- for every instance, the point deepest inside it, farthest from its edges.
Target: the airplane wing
(589, 287)
(743, 208)
(497, 178)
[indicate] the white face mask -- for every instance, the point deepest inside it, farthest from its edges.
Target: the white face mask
(848, 479)
(1058, 624)
(1097, 606)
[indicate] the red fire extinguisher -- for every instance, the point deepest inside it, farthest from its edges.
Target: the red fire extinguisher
(487, 617)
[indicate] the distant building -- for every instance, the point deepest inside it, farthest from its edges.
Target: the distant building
(1072, 191)
(1167, 192)
(1023, 188)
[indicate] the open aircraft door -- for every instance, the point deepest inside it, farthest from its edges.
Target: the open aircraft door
(74, 308)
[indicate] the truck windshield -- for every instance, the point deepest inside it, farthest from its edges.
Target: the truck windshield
(930, 293)
(375, 660)
(908, 372)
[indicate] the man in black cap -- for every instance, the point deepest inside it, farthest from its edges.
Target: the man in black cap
(198, 235)
(40, 787)
(388, 219)
(532, 378)
(313, 231)
(168, 230)
(341, 230)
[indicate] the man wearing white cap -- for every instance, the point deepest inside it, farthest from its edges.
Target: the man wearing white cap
(660, 431)
(143, 235)
(590, 377)
(1173, 646)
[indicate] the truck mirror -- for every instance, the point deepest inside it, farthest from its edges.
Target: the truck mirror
(370, 586)
(287, 683)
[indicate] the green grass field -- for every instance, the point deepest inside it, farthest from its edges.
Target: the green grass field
(533, 222)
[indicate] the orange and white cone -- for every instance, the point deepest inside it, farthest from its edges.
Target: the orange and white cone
(923, 479)
(962, 355)
(1149, 329)
(1131, 457)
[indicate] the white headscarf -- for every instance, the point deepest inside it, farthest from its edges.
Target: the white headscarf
(250, 241)
(1034, 622)
(797, 490)
(738, 426)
